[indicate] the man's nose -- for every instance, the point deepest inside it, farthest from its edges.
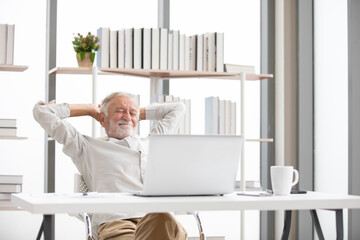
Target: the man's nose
(126, 116)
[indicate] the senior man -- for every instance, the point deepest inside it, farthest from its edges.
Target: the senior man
(116, 163)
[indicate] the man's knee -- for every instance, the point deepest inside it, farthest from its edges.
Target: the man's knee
(159, 226)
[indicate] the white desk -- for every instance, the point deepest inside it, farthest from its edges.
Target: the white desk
(48, 204)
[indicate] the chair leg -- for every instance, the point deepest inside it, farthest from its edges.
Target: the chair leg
(87, 222)
(198, 222)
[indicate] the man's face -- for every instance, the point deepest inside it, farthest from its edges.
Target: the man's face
(122, 118)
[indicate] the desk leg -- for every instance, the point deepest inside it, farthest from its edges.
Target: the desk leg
(41, 230)
(47, 227)
(317, 224)
(287, 225)
(339, 224)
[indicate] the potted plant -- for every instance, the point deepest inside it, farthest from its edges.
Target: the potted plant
(85, 48)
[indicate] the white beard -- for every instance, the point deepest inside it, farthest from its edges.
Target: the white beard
(121, 129)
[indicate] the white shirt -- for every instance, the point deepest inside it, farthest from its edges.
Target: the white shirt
(108, 165)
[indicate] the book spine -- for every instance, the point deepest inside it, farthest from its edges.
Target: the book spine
(176, 50)
(3, 39)
(155, 49)
(200, 52)
(163, 49)
(10, 44)
(137, 48)
(219, 52)
(121, 48)
(170, 51)
(129, 48)
(113, 49)
(182, 41)
(146, 49)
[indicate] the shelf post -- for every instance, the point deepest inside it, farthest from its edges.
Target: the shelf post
(242, 131)
(242, 157)
(50, 94)
(94, 99)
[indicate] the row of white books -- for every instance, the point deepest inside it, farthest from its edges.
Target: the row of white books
(10, 184)
(7, 35)
(185, 126)
(220, 116)
(8, 127)
(160, 49)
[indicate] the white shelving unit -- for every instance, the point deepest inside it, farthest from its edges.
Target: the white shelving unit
(6, 205)
(156, 75)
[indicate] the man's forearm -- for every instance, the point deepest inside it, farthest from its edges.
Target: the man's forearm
(77, 110)
(142, 114)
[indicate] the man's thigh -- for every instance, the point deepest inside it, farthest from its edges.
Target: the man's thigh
(118, 229)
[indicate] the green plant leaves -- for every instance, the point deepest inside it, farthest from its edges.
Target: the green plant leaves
(82, 55)
(85, 44)
(92, 56)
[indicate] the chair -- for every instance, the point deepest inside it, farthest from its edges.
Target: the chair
(80, 187)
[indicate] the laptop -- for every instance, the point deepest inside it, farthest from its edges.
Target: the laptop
(187, 165)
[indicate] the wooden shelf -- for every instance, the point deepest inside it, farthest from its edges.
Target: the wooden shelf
(12, 138)
(265, 140)
(13, 68)
(157, 73)
(6, 205)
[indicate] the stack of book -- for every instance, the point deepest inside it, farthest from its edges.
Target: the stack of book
(7, 34)
(185, 125)
(220, 116)
(160, 49)
(10, 184)
(8, 127)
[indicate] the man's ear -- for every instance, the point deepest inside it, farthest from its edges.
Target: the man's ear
(102, 119)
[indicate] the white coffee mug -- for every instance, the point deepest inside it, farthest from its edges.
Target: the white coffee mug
(282, 179)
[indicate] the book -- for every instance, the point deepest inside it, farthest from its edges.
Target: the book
(227, 117)
(200, 52)
(155, 48)
(212, 115)
(137, 48)
(170, 51)
(187, 53)
(103, 54)
(206, 53)
(192, 53)
(233, 118)
(5, 196)
(4, 122)
(234, 68)
(10, 188)
(10, 44)
(146, 48)
(222, 115)
(3, 39)
(176, 38)
(129, 48)
(163, 49)
(121, 48)
(11, 179)
(219, 43)
(182, 40)
(211, 56)
(113, 50)
(8, 131)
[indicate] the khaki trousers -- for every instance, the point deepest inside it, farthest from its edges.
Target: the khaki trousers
(153, 226)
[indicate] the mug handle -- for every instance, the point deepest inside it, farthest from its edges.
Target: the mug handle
(296, 177)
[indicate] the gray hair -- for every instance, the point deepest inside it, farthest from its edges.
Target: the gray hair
(105, 102)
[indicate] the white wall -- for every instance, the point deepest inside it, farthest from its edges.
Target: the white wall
(20, 91)
(331, 104)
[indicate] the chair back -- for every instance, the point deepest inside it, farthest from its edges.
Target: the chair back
(79, 184)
